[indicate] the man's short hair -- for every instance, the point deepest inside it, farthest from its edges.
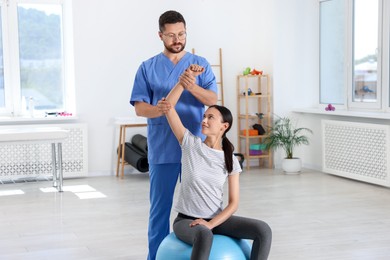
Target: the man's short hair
(170, 17)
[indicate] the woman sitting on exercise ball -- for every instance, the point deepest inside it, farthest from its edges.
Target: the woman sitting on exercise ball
(205, 168)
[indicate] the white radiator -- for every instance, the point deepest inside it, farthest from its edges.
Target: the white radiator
(356, 150)
(21, 160)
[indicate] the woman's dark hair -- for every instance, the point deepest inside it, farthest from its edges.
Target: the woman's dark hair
(170, 17)
(227, 146)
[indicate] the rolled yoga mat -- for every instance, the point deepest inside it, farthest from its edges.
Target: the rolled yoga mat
(141, 142)
(136, 158)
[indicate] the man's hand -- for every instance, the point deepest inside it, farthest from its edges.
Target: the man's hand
(163, 106)
(187, 79)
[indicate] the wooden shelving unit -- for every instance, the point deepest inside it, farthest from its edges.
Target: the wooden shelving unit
(247, 107)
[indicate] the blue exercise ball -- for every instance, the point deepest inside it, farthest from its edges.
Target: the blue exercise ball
(223, 248)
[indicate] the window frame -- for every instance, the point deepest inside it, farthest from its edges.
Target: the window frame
(338, 106)
(12, 86)
(383, 86)
(350, 72)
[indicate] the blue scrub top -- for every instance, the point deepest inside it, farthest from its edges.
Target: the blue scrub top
(154, 80)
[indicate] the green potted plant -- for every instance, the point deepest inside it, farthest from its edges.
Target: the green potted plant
(283, 134)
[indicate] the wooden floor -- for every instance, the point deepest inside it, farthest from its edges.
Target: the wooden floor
(313, 216)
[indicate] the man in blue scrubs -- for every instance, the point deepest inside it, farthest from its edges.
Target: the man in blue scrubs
(153, 81)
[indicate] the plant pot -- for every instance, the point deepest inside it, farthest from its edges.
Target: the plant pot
(292, 166)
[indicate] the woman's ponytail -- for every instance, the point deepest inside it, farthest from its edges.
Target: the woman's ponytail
(228, 149)
(227, 146)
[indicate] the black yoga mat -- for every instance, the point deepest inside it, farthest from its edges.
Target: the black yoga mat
(140, 142)
(136, 158)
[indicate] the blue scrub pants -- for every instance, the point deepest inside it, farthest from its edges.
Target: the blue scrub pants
(163, 178)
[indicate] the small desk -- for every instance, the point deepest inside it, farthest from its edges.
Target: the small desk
(53, 135)
(123, 124)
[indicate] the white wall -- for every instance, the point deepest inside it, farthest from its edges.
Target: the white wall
(112, 38)
(296, 70)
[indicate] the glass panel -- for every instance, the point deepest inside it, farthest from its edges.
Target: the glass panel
(40, 48)
(332, 53)
(2, 95)
(365, 41)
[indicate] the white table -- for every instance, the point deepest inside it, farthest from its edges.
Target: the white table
(53, 135)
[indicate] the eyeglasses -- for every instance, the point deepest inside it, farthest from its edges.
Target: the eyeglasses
(181, 36)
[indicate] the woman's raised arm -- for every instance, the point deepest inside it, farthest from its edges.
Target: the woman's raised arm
(172, 98)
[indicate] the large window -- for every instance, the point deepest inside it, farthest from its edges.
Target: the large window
(353, 36)
(34, 64)
(332, 56)
(365, 84)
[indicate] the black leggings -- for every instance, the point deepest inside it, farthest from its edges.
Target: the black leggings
(201, 237)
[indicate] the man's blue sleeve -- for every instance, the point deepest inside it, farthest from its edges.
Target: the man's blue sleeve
(141, 89)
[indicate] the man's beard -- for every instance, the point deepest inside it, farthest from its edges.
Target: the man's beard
(175, 50)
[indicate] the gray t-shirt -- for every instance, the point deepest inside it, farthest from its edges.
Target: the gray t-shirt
(203, 177)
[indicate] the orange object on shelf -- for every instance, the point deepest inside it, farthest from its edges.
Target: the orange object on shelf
(251, 132)
(256, 72)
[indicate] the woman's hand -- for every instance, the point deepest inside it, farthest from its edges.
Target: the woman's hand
(201, 221)
(196, 69)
